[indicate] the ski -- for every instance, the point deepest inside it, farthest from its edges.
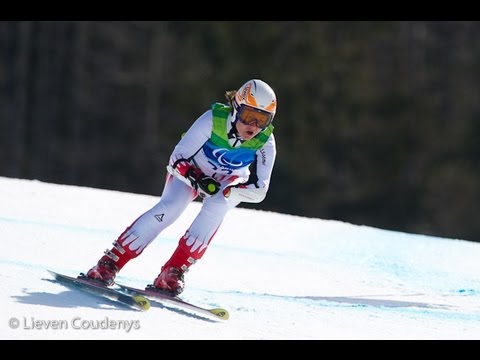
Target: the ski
(175, 301)
(134, 301)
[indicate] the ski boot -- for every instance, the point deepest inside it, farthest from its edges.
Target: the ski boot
(170, 280)
(104, 272)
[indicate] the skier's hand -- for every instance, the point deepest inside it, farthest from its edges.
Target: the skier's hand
(182, 167)
(202, 182)
(228, 189)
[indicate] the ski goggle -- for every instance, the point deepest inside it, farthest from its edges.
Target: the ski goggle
(252, 116)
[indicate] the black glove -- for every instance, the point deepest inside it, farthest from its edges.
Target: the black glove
(201, 181)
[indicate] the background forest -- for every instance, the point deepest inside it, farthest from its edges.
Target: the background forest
(378, 123)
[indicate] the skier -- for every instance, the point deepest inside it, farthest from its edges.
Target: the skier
(226, 157)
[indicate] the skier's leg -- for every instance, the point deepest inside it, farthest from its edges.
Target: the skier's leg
(193, 244)
(175, 198)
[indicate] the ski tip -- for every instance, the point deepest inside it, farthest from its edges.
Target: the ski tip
(142, 302)
(220, 313)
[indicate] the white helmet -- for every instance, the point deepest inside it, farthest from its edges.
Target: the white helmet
(255, 95)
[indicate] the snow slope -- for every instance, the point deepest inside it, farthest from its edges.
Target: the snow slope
(280, 276)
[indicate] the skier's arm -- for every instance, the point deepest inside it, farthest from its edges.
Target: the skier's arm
(180, 164)
(255, 190)
(193, 140)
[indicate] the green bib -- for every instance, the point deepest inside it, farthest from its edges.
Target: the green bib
(221, 153)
